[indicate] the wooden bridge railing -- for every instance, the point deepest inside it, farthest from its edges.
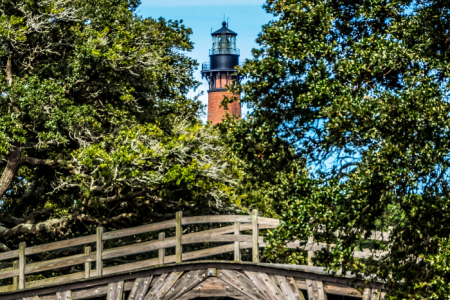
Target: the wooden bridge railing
(232, 233)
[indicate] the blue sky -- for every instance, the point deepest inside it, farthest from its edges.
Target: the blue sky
(245, 17)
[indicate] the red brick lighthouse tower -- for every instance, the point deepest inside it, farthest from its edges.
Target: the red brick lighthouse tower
(219, 72)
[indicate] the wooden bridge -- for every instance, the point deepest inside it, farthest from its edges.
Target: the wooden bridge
(180, 275)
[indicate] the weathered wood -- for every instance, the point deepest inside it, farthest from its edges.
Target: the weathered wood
(61, 245)
(311, 253)
(115, 291)
(268, 222)
(156, 286)
(216, 219)
(22, 262)
(215, 238)
(15, 278)
(59, 263)
(371, 294)
(237, 244)
(87, 265)
(288, 290)
(90, 292)
(301, 284)
(138, 230)
(258, 281)
(167, 285)
(9, 255)
(138, 248)
(315, 290)
(162, 251)
(321, 290)
(241, 283)
(255, 235)
(66, 295)
(31, 298)
(213, 287)
(140, 288)
(293, 283)
(340, 289)
(178, 235)
(99, 250)
(187, 282)
(271, 286)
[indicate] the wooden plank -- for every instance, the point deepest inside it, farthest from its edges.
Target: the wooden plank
(258, 281)
(138, 230)
(315, 290)
(156, 287)
(89, 292)
(340, 289)
(140, 288)
(215, 238)
(321, 291)
(8, 273)
(288, 290)
(32, 298)
(22, 262)
(271, 286)
(167, 285)
(371, 294)
(115, 291)
(87, 265)
(178, 235)
(237, 244)
(161, 251)
(216, 219)
(187, 282)
(59, 263)
(15, 278)
(293, 283)
(61, 245)
(311, 253)
(99, 250)
(9, 255)
(213, 287)
(255, 235)
(268, 222)
(138, 248)
(66, 295)
(241, 283)
(301, 284)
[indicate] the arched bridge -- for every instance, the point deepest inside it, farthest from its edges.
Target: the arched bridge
(179, 275)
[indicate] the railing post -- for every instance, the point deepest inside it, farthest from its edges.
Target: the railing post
(87, 265)
(237, 244)
(162, 251)
(22, 263)
(178, 233)
(99, 260)
(255, 236)
(310, 252)
(15, 278)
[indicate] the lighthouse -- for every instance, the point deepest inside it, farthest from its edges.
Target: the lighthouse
(219, 72)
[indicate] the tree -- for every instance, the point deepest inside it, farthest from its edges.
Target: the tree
(95, 125)
(361, 88)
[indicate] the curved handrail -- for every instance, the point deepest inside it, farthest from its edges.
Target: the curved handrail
(227, 234)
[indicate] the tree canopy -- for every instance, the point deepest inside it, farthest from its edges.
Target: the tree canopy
(95, 125)
(361, 89)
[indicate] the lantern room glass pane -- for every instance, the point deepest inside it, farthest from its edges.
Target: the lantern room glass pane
(224, 44)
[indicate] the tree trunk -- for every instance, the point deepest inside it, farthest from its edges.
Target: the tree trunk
(9, 70)
(10, 171)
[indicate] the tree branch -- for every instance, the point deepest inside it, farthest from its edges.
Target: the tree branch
(10, 171)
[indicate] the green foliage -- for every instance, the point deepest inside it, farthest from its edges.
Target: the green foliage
(361, 88)
(93, 100)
